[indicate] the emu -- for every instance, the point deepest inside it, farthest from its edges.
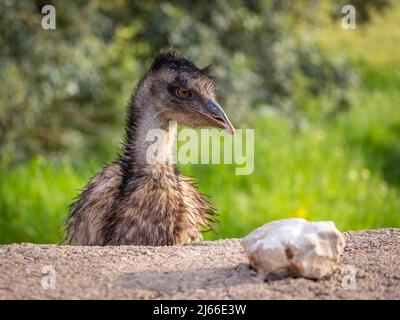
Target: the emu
(134, 201)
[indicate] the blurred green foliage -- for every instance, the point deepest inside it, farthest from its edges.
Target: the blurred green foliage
(66, 89)
(324, 103)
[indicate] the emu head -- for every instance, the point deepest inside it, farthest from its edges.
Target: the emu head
(182, 92)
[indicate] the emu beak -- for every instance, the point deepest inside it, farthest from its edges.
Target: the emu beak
(216, 115)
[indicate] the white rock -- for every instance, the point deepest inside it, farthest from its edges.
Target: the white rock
(295, 247)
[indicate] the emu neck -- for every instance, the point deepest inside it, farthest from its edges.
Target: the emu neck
(154, 141)
(150, 145)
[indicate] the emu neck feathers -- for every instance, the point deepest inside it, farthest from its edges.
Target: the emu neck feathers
(150, 144)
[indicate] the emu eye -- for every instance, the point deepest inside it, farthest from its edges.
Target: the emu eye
(183, 93)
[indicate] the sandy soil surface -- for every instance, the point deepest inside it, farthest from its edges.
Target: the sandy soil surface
(208, 270)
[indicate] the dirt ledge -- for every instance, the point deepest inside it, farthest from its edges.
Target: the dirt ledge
(209, 270)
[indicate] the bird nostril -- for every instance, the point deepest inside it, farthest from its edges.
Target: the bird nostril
(219, 119)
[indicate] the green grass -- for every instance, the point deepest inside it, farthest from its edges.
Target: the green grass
(346, 170)
(34, 199)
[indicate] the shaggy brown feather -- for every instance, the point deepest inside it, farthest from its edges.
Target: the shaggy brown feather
(132, 201)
